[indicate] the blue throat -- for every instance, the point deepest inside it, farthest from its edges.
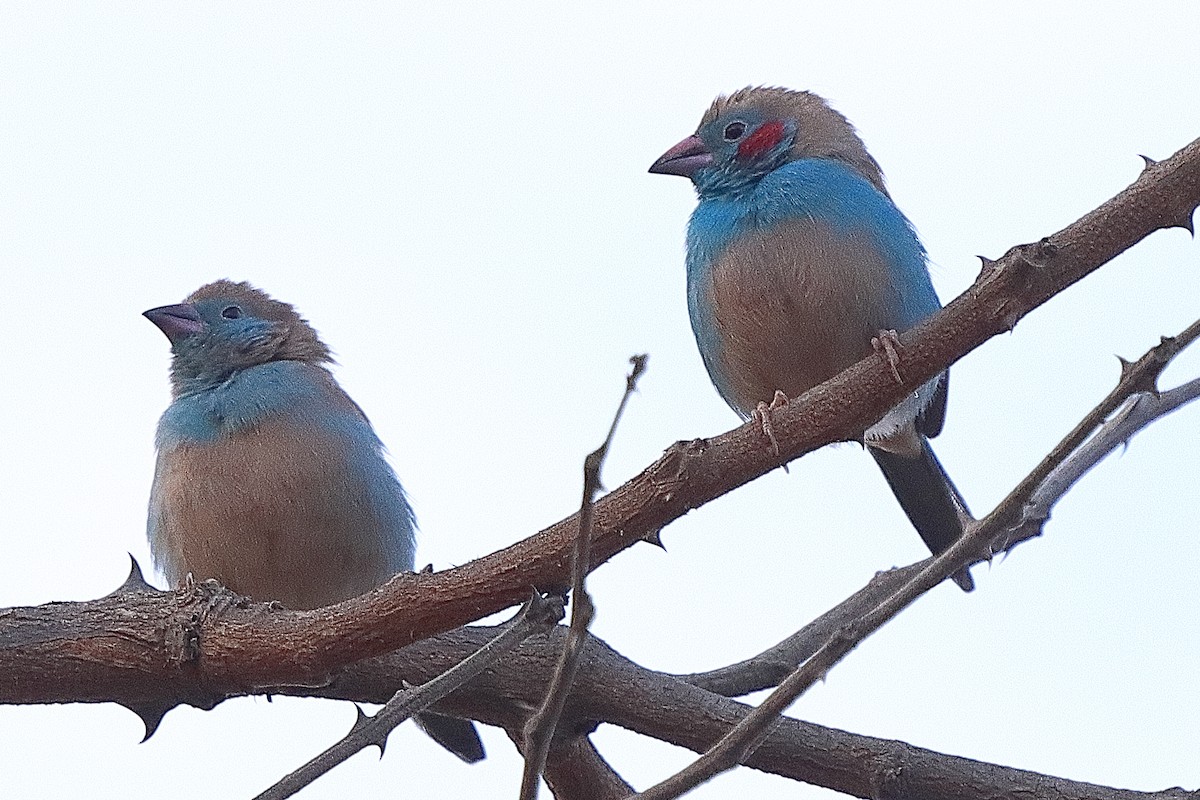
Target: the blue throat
(823, 189)
(244, 399)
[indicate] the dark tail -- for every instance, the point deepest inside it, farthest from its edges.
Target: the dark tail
(929, 499)
(456, 735)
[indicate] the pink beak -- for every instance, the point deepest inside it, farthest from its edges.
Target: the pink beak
(684, 159)
(177, 322)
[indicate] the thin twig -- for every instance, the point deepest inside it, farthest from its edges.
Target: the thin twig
(766, 669)
(538, 615)
(1136, 413)
(539, 731)
(733, 748)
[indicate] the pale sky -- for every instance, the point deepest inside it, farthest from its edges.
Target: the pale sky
(456, 196)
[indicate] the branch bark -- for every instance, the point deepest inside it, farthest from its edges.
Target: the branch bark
(975, 543)
(613, 689)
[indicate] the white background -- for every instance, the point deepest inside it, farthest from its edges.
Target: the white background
(457, 197)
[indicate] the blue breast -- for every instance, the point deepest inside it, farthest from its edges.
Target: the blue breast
(820, 189)
(245, 399)
(337, 432)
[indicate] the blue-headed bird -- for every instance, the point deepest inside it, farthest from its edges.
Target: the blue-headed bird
(269, 478)
(798, 265)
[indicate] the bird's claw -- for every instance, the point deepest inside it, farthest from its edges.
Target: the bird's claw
(762, 414)
(887, 344)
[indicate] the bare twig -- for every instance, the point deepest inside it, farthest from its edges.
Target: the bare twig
(1136, 378)
(538, 615)
(766, 669)
(1136, 414)
(539, 731)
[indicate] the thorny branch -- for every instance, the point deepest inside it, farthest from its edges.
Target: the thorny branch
(539, 731)
(766, 669)
(733, 748)
(613, 689)
(538, 615)
(1134, 415)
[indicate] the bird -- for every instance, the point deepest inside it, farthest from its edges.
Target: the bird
(799, 264)
(269, 478)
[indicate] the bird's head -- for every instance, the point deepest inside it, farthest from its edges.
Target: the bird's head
(225, 327)
(755, 130)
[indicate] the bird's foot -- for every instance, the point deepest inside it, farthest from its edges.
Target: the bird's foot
(762, 414)
(887, 344)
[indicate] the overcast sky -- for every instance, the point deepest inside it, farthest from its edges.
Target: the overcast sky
(456, 196)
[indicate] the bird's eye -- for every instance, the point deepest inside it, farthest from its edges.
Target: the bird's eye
(734, 131)
(231, 312)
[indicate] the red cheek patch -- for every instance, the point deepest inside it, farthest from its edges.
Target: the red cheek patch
(766, 138)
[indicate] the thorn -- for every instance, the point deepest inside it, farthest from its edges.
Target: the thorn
(986, 265)
(1150, 162)
(654, 537)
(151, 715)
(361, 721)
(426, 570)
(1126, 367)
(1186, 224)
(134, 582)
(360, 717)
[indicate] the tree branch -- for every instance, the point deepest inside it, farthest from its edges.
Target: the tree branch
(765, 670)
(613, 689)
(538, 615)
(974, 544)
